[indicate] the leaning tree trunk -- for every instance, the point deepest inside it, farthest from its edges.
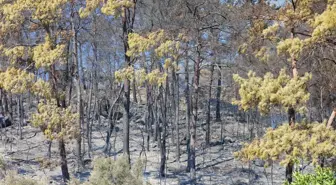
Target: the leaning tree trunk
(331, 118)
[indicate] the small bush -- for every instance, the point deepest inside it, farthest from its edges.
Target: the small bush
(322, 176)
(12, 178)
(107, 171)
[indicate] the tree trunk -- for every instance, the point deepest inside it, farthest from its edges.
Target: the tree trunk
(177, 115)
(64, 163)
(11, 111)
(164, 128)
(289, 172)
(88, 121)
(20, 116)
(291, 114)
(1, 103)
(149, 118)
(49, 142)
(331, 118)
(79, 93)
(218, 95)
(128, 18)
(126, 118)
(134, 89)
(195, 117)
(188, 110)
(207, 133)
(7, 112)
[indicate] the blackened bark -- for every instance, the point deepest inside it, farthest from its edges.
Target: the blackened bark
(134, 89)
(128, 18)
(177, 115)
(79, 93)
(289, 172)
(164, 129)
(188, 111)
(20, 116)
(218, 95)
(207, 133)
(291, 116)
(64, 163)
(195, 117)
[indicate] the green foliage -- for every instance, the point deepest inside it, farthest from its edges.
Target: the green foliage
(56, 122)
(322, 176)
(12, 178)
(269, 91)
(16, 81)
(161, 46)
(325, 24)
(107, 171)
(320, 28)
(109, 7)
(3, 164)
(46, 54)
(285, 144)
(293, 47)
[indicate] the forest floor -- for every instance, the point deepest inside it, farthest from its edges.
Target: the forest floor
(215, 164)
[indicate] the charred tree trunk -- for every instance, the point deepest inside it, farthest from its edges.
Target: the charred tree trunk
(20, 114)
(88, 119)
(128, 18)
(218, 94)
(134, 89)
(291, 111)
(64, 163)
(289, 172)
(176, 114)
(164, 128)
(188, 110)
(75, 62)
(6, 102)
(208, 118)
(195, 117)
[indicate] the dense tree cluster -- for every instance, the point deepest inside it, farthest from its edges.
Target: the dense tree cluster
(68, 66)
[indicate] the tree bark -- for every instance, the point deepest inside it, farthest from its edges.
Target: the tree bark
(75, 62)
(207, 132)
(188, 110)
(128, 19)
(289, 172)
(164, 128)
(88, 119)
(20, 116)
(331, 118)
(64, 163)
(195, 117)
(291, 113)
(218, 94)
(177, 115)
(134, 89)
